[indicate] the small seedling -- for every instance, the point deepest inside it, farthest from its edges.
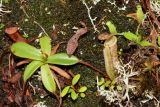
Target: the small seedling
(107, 84)
(140, 15)
(43, 59)
(137, 38)
(75, 93)
(25, 35)
(111, 27)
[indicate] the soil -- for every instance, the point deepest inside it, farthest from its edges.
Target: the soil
(65, 15)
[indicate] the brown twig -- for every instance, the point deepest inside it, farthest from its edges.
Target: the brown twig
(60, 71)
(94, 68)
(152, 14)
(23, 62)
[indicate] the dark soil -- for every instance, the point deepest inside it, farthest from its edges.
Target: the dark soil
(64, 15)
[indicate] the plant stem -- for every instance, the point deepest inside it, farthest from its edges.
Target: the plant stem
(93, 67)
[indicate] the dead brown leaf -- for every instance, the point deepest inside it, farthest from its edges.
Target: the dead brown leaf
(60, 71)
(154, 36)
(15, 78)
(132, 15)
(73, 42)
(104, 36)
(23, 62)
(55, 48)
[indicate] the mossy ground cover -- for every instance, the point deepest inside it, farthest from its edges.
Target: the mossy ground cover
(65, 15)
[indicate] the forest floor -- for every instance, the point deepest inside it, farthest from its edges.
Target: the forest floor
(60, 19)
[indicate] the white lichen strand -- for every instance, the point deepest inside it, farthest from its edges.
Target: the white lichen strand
(155, 6)
(149, 96)
(40, 104)
(89, 15)
(92, 20)
(95, 1)
(125, 72)
(119, 8)
(126, 1)
(2, 9)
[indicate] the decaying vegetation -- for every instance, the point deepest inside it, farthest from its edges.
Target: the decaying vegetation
(105, 53)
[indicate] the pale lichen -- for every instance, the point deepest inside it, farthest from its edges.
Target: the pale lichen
(149, 96)
(120, 98)
(2, 9)
(95, 1)
(40, 104)
(92, 20)
(155, 6)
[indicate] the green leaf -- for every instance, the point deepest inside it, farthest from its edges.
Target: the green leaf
(107, 83)
(82, 89)
(31, 68)
(65, 91)
(145, 43)
(139, 38)
(101, 81)
(1, 26)
(102, 86)
(140, 14)
(47, 78)
(25, 35)
(70, 90)
(25, 50)
(76, 79)
(74, 95)
(131, 36)
(119, 88)
(158, 40)
(111, 87)
(113, 82)
(62, 59)
(45, 43)
(111, 27)
(82, 95)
